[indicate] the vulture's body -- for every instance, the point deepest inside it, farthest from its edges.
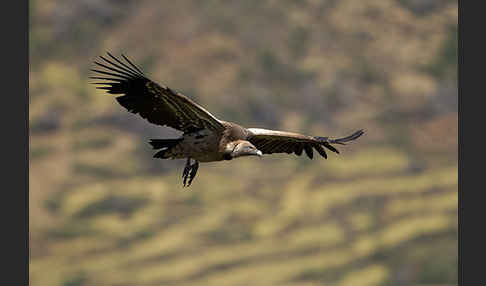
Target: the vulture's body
(205, 138)
(203, 145)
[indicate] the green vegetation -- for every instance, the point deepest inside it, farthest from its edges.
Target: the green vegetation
(383, 212)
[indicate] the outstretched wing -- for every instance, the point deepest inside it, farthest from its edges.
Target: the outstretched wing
(271, 141)
(158, 104)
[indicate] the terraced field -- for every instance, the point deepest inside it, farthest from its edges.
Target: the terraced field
(293, 227)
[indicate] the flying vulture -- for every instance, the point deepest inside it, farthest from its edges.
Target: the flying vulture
(205, 138)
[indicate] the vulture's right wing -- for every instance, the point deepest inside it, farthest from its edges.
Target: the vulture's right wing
(158, 104)
(271, 141)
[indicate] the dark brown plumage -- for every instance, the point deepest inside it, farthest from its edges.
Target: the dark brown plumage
(205, 138)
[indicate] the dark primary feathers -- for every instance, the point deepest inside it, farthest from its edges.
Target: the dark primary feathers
(158, 104)
(271, 141)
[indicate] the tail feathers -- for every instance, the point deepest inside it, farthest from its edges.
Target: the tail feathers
(165, 145)
(161, 154)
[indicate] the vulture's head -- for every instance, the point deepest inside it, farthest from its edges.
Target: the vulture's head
(243, 148)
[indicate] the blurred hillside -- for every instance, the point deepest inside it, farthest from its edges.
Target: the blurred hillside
(383, 212)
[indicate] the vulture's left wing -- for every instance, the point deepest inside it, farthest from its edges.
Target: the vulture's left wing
(157, 103)
(271, 141)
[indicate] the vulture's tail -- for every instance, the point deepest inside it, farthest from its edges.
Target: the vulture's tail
(165, 145)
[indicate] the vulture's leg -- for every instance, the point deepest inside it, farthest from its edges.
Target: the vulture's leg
(185, 173)
(194, 168)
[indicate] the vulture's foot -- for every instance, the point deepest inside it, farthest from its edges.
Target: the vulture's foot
(189, 172)
(187, 168)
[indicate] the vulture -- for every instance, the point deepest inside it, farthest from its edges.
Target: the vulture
(205, 138)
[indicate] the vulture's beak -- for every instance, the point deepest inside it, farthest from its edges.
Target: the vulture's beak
(259, 153)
